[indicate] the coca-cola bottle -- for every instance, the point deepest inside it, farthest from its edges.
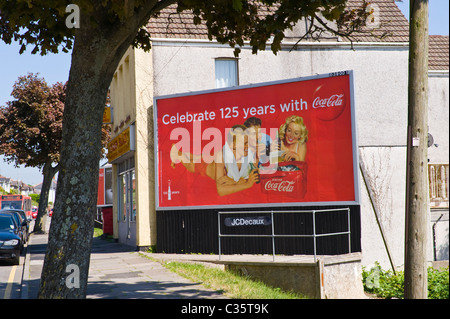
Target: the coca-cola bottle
(279, 141)
(280, 152)
(252, 168)
(169, 192)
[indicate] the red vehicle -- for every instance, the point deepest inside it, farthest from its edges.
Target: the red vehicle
(34, 212)
(16, 202)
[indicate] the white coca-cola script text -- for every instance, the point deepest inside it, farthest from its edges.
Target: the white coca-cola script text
(334, 100)
(282, 186)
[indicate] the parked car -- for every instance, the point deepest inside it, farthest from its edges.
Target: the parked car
(21, 219)
(34, 212)
(11, 243)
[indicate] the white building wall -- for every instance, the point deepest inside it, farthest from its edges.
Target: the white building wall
(438, 116)
(380, 76)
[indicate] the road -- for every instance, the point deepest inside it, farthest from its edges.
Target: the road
(11, 278)
(11, 275)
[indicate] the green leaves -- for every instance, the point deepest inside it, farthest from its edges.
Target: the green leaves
(388, 285)
(258, 23)
(237, 5)
(41, 23)
(142, 40)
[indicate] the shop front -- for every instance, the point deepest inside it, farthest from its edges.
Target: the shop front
(121, 153)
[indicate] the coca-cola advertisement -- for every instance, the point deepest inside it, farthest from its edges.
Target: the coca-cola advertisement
(290, 179)
(284, 143)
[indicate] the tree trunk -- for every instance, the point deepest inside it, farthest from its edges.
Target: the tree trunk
(48, 172)
(97, 51)
(66, 264)
(69, 244)
(98, 47)
(417, 161)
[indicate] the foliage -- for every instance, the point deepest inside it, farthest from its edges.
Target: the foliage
(31, 124)
(44, 26)
(438, 283)
(98, 232)
(388, 285)
(35, 197)
(260, 22)
(231, 22)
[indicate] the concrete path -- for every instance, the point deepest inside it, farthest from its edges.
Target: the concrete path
(116, 272)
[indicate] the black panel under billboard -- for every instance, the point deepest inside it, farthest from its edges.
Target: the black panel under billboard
(197, 231)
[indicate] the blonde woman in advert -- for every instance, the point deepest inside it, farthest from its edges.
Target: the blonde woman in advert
(293, 136)
(232, 168)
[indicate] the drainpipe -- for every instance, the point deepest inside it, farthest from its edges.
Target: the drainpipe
(434, 237)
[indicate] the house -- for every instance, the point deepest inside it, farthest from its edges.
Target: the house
(51, 191)
(25, 189)
(5, 183)
(182, 59)
(8, 185)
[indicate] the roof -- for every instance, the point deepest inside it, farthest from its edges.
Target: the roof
(4, 178)
(173, 25)
(53, 185)
(438, 52)
(390, 26)
(393, 25)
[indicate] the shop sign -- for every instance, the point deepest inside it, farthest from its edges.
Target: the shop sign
(107, 115)
(121, 144)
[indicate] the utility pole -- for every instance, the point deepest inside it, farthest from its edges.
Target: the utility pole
(417, 154)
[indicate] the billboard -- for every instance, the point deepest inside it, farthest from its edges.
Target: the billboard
(283, 143)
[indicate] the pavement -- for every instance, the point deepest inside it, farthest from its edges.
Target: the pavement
(116, 272)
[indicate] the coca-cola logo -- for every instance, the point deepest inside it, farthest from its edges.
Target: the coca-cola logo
(328, 102)
(280, 186)
(334, 100)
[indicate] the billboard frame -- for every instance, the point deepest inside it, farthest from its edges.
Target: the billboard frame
(355, 149)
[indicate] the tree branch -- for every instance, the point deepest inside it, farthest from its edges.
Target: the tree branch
(308, 32)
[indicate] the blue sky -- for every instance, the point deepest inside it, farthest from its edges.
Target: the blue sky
(55, 68)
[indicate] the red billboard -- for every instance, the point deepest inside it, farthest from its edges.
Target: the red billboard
(284, 143)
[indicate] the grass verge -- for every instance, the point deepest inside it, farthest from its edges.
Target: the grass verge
(98, 232)
(230, 284)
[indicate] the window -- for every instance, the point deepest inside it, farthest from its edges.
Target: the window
(108, 186)
(127, 191)
(226, 72)
(127, 198)
(438, 183)
(124, 197)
